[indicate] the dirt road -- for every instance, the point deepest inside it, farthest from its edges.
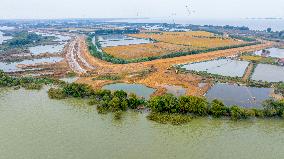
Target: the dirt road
(81, 61)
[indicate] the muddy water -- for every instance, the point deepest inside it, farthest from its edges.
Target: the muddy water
(138, 89)
(232, 94)
(269, 73)
(224, 67)
(35, 127)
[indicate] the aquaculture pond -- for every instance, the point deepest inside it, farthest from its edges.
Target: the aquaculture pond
(138, 89)
(271, 52)
(224, 67)
(269, 73)
(119, 40)
(4, 38)
(14, 66)
(35, 127)
(47, 49)
(232, 94)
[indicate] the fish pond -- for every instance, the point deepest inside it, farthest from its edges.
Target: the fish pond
(269, 73)
(13, 66)
(232, 94)
(224, 67)
(120, 40)
(138, 89)
(271, 52)
(35, 127)
(47, 49)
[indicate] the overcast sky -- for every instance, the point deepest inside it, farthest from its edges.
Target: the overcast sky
(204, 9)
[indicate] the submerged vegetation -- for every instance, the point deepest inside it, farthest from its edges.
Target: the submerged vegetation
(166, 118)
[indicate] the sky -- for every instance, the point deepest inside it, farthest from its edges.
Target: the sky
(199, 9)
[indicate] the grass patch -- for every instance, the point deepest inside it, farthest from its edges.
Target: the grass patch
(259, 59)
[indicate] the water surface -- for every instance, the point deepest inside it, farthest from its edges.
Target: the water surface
(35, 127)
(46, 49)
(120, 40)
(273, 52)
(12, 66)
(138, 89)
(224, 67)
(232, 94)
(269, 73)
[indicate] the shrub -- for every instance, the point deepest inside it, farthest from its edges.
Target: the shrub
(237, 113)
(166, 103)
(218, 108)
(273, 108)
(56, 93)
(134, 101)
(120, 94)
(192, 104)
(77, 90)
(258, 113)
(99, 94)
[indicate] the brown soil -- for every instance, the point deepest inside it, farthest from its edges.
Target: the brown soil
(162, 72)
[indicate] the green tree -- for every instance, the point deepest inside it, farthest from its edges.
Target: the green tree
(192, 104)
(218, 108)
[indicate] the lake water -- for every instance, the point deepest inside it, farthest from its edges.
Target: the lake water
(4, 38)
(269, 73)
(232, 94)
(120, 40)
(35, 127)
(274, 52)
(224, 67)
(46, 49)
(138, 89)
(12, 67)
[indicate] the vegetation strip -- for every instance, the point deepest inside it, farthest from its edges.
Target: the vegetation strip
(166, 109)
